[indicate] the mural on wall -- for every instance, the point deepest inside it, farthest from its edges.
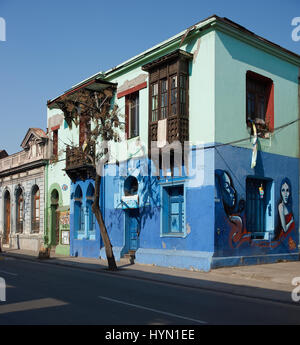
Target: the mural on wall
(286, 221)
(234, 225)
(65, 220)
(234, 211)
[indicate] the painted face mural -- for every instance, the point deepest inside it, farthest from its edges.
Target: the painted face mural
(227, 191)
(286, 219)
(235, 214)
(285, 192)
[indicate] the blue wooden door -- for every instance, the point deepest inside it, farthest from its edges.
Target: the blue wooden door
(256, 206)
(132, 229)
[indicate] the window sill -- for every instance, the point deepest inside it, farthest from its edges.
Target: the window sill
(136, 137)
(174, 234)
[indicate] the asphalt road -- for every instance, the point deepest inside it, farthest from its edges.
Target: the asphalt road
(43, 294)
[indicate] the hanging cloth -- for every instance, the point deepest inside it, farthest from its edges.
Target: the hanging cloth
(254, 146)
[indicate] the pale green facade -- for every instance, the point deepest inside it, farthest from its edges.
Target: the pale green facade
(58, 180)
(233, 58)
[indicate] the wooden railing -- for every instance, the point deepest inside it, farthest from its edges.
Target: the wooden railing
(76, 157)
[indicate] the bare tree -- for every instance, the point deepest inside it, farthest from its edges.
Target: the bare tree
(95, 112)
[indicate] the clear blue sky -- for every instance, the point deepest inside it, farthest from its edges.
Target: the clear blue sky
(53, 44)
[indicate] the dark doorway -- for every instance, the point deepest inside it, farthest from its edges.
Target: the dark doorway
(7, 213)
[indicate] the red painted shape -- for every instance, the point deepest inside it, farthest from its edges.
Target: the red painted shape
(55, 128)
(131, 90)
(270, 108)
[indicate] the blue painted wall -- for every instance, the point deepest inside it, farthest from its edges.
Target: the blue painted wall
(80, 246)
(194, 248)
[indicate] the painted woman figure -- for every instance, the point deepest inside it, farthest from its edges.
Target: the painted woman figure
(286, 218)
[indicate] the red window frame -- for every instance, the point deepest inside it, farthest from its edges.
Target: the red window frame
(264, 88)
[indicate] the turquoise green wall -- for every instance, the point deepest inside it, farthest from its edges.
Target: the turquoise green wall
(201, 99)
(233, 58)
(201, 89)
(57, 177)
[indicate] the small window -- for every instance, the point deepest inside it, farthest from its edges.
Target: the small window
(173, 210)
(131, 186)
(173, 81)
(55, 143)
(91, 216)
(20, 210)
(79, 224)
(154, 93)
(132, 115)
(259, 101)
(164, 98)
(35, 219)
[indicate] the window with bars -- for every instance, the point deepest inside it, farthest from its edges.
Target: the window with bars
(173, 210)
(257, 205)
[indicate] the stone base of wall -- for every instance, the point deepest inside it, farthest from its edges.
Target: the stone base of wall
(27, 242)
(116, 250)
(252, 260)
(192, 260)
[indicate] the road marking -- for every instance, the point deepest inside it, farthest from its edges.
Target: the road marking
(31, 305)
(151, 309)
(12, 274)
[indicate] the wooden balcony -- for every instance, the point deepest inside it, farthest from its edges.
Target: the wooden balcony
(79, 163)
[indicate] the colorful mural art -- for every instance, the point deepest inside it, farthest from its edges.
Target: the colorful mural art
(286, 221)
(234, 210)
(239, 214)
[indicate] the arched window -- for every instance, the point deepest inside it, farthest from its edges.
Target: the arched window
(35, 211)
(19, 210)
(131, 186)
(78, 214)
(91, 216)
(55, 215)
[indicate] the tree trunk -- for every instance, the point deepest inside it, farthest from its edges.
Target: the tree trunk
(98, 214)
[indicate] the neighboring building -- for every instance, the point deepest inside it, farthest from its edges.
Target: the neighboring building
(57, 208)
(218, 87)
(22, 193)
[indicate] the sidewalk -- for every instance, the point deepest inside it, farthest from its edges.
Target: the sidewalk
(270, 281)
